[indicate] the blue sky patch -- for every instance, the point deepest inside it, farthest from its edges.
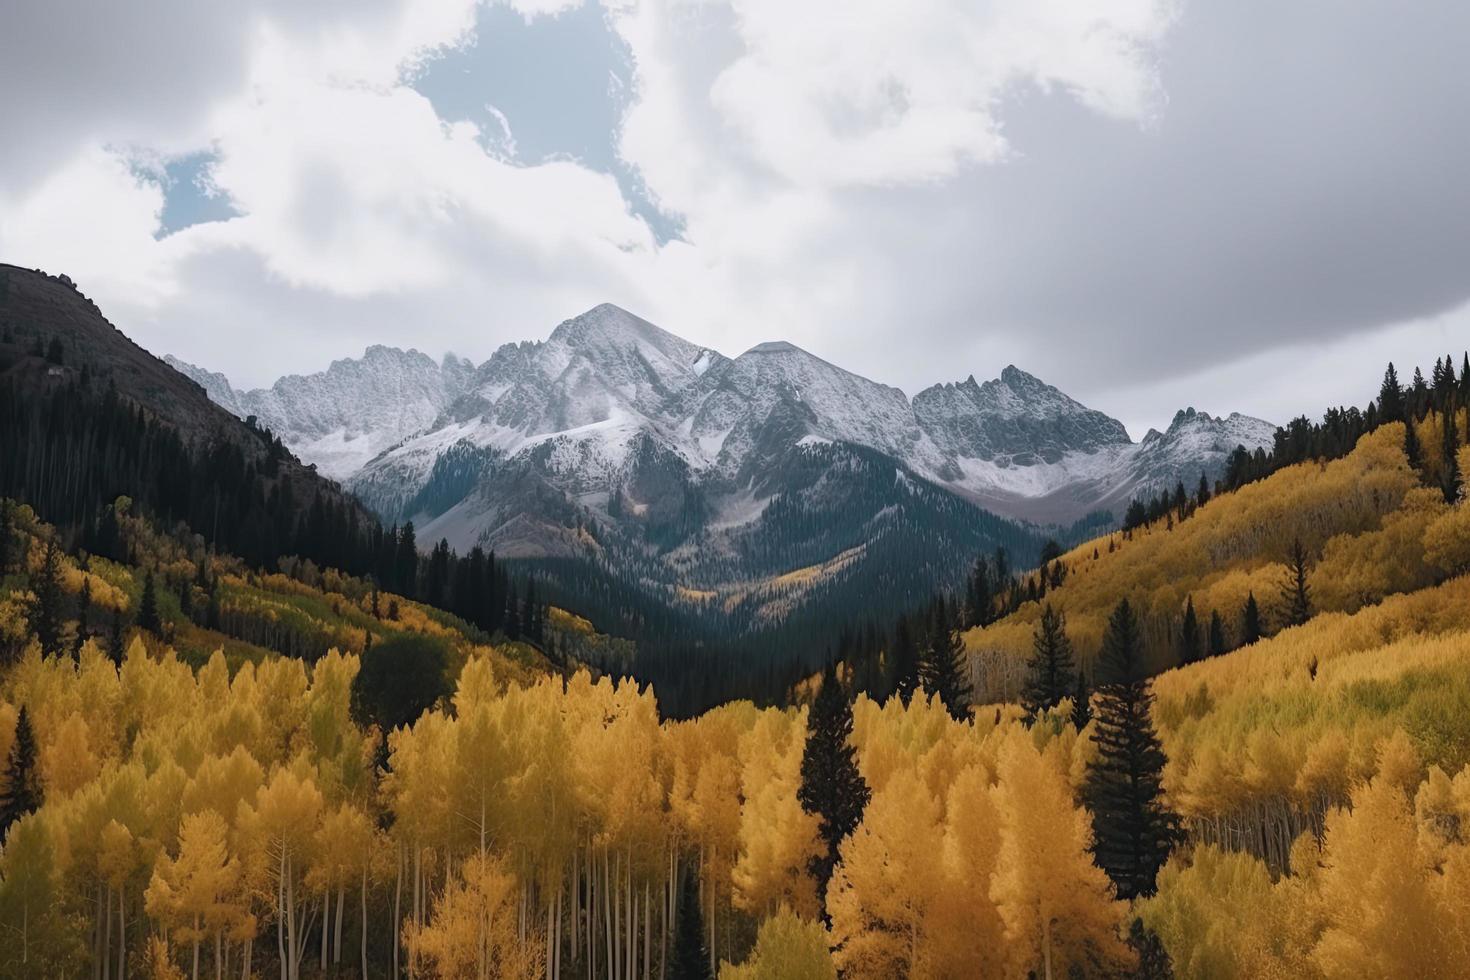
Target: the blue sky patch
(559, 85)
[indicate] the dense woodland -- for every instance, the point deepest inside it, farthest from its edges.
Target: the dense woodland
(1228, 741)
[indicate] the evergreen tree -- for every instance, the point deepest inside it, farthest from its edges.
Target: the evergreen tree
(942, 665)
(1081, 703)
(84, 608)
(832, 789)
(212, 608)
(1133, 830)
(148, 607)
(1411, 445)
(1153, 960)
(1296, 595)
(981, 597)
(44, 615)
(1050, 672)
(22, 781)
(903, 664)
(690, 958)
(406, 563)
(1450, 466)
(1202, 495)
(1217, 634)
(1419, 395)
(1250, 621)
(1189, 634)
(115, 648)
(1390, 397)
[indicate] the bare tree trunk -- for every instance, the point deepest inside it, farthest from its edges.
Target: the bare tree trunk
(364, 923)
(337, 936)
(122, 932)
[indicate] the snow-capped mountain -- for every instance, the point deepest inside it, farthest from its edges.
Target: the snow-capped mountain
(343, 417)
(616, 441)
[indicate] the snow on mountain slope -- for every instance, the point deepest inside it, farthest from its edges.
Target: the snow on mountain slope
(1016, 418)
(617, 414)
(343, 417)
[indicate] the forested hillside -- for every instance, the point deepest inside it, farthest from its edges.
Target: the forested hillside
(1230, 741)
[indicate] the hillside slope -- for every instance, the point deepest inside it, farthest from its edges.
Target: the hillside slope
(1369, 525)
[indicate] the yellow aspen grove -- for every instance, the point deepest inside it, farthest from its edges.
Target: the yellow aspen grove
(787, 947)
(1382, 918)
(472, 928)
(195, 894)
(1057, 906)
(279, 827)
(882, 891)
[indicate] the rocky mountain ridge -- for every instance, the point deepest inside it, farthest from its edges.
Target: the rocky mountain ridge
(611, 405)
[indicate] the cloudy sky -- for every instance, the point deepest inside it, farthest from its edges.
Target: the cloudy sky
(1234, 204)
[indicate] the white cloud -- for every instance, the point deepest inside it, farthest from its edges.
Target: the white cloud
(855, 177)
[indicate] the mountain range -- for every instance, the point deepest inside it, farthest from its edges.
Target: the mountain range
(761, 491)
(611, 402)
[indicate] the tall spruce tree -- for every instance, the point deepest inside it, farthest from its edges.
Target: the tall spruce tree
(115, 647)
(1391, 397)
(1189, 639)
(1296, 595)
(22, 782)
(148, 607)
(1217, 634)
(903, 663)
(943, 669)
(1133, 829)
(44, 615)
(1450, 464)
(1081, 702)
(1251, 628)
(690, 957)
(1050, 672)
(832, 788)
(1412, 452)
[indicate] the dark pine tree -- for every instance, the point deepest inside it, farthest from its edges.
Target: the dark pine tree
(1081, 703)
(832, 789)
(148, 607)
(1217, 634)
(1296, 595)
(115, 640)
(980, 599)
(1412, 452)
(903, 664)
(942, 666)
(1251, 628)
(1050, 672)
(1133, 830)
(44, 614)
(1450, 466)
(1202, 494)
(1153, 960)
(22, 782)
(84, 609)
(690, 957)
(1391, 397)
(1189, 634)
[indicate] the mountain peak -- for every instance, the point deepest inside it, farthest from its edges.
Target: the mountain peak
(775, 347)
(1015, 377)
